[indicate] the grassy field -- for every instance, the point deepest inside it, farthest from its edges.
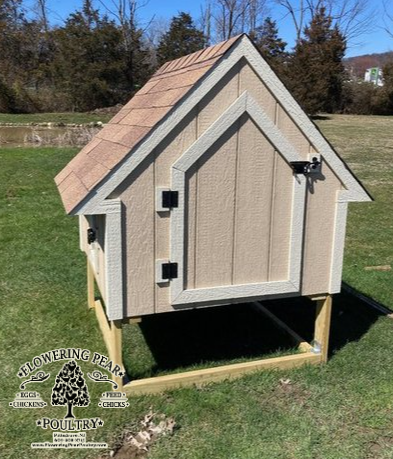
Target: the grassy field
(77, 118)
(343, 410)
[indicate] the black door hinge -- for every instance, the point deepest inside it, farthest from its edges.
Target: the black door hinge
(91, 235)
(169, 271)
(170, 199)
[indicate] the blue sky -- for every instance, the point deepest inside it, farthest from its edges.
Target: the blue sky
(375, 42)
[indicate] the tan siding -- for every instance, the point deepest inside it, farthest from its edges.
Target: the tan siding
(253, 191)
(138, 196)
(250, 81)
(169, 152)
(215, 213)
(280, 232)
(293, 134)
(320, 217)
(218, 100)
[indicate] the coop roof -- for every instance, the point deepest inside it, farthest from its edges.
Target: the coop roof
(146, 118)
(133, 123)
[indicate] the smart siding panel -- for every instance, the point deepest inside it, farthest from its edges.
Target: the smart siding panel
(138, 195)
(254, 181)
(319, 231)
(215, 213)
(249, 81)
(281, 215)
(165, 156)
(281, 205)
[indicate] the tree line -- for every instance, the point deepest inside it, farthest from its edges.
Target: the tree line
(99, 57)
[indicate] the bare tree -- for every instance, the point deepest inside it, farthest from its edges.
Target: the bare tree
(205, 20)
(354, 18)
(232, 17)
(388, 17)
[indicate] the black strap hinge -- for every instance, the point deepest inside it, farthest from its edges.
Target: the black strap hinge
(169, 271)
(170, 199)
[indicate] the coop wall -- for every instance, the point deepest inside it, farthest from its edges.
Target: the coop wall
(146, 234)
(95, 252)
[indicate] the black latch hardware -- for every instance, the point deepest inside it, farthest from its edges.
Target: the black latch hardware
(91, 235)
(169, 271)
(170, 199)
(305, 167)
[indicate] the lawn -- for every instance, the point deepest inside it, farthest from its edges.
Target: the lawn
(341, 410)
(66, 118)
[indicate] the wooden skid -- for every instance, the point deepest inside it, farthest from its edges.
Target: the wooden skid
(112, 334)
(236, 370)
(302, 344)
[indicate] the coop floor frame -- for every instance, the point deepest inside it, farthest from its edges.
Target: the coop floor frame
(315, 353)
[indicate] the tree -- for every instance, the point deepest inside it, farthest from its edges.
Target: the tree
(316, 69)
(353, 18)
(181, 39)
(137, 57)
(70, 388)
(271, 46)
(89, 63)
(387, 73)
(232, 17)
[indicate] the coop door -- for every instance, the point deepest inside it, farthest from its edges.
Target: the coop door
(236, 230)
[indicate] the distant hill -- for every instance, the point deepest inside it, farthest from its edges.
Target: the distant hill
(359, 64)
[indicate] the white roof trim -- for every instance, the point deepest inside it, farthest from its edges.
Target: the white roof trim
(243, 48)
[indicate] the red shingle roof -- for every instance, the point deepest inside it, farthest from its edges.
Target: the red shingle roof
(134, 121)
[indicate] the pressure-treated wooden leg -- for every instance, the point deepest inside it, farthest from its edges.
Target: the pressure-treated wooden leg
(90, 286)
(115, 347)
(322, 325)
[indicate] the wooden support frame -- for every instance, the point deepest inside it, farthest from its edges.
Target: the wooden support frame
(322, 326)
(111, 329)
(309, 354)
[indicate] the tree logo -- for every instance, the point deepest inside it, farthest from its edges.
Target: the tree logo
(70, 388)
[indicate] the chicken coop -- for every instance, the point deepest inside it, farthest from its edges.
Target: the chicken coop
(211, 186)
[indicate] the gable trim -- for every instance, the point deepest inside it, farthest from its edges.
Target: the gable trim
(242, 48)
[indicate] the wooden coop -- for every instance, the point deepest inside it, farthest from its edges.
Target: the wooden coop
(210, 187)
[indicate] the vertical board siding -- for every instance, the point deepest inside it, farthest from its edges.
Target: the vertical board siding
(138, 196)
(218, 100)
(250, 81)
(253, 191)
(319, 231)
(215, 213)
(280, 220)
(293, 134)
(165, 156)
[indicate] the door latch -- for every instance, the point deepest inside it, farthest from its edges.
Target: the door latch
(306, 167)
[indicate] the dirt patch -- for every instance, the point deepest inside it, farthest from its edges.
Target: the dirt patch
(136, 445)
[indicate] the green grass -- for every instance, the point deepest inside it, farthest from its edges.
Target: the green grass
(67, 118)
(341, 410)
